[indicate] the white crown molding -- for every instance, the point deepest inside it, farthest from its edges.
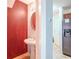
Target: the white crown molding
(10, 3)
(27, 1)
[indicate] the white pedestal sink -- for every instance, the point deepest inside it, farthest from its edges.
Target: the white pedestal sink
(31, 47)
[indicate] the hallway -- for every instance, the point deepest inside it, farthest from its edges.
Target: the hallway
(57, 54)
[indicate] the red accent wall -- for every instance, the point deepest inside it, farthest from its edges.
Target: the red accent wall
(16, 29)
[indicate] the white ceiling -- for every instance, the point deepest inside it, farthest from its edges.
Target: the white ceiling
(63, 3)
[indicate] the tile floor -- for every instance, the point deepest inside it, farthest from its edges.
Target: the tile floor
(57, 53)
(23, 56)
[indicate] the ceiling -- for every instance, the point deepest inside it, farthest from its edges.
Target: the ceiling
(62, 3)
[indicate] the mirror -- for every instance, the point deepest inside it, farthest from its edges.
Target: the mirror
(33, 21)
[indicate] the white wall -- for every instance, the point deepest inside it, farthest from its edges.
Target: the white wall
(46, 29)
(57, 26)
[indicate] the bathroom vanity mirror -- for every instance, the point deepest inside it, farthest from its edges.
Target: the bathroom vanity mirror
(33, 21)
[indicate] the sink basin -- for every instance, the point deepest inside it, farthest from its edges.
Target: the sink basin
(31, 47)
(29, 41)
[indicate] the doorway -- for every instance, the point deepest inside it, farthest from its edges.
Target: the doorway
(59, 10)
